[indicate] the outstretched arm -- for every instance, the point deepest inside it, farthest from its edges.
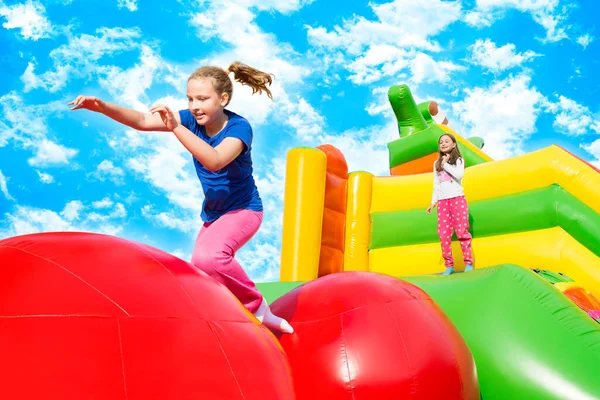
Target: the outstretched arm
(213, 159)
(126, 116)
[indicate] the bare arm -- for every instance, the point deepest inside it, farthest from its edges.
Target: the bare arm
(213, 159)
(126, 116)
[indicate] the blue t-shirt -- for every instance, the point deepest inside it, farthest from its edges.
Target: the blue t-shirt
(232, 187)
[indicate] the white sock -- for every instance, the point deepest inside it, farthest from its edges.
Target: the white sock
(265, 316)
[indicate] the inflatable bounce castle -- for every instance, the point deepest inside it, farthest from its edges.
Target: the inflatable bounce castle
(86, 316)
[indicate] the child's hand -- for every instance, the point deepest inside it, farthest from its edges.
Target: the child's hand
(87, 102)
(166, 115)
(430, 208)
(445, 158)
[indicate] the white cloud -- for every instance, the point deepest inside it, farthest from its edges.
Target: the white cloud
(129, 86)
(20, 122)
(106, 170)
(24, 220)
(261, 260)
(25, 125)
(45, 177)
(425, 69)
(72, 210)
(168, 219)
(387, 61)
(366, 149)
(379, 61)
(104, 203)
(4, 187)
(79, 57)
(131, 5)
(301, 116)
(118, 212)
(51, 80)
(380, 103)
(398, 23)
(479, 19)
(167, 166)
(50, 153)
(487, 54)
(129, 140)
(547, 13)
(181, 254)
(572, 119)
(29, 17)
(503, 114)
(282, 6)
(374, 49)
(594, 149)
(585, 40)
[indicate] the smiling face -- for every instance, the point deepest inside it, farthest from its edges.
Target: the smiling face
(204, 102)
(446, 144)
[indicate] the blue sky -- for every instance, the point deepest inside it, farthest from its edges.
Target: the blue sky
(519, 73)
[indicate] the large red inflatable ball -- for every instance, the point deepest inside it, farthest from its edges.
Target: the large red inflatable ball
(87, 316)
(361, 335)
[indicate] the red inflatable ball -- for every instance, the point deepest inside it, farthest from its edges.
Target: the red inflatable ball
(86, 316)
(361, 335)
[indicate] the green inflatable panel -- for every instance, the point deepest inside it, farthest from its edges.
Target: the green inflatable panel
(553, 277)
(407, 114)
(477, 141)
(527, 211)
(529, 341)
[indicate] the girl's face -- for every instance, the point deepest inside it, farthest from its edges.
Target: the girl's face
(446, 144)
(204, 101)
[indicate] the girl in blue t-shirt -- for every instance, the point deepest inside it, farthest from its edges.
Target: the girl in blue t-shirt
(220, 142)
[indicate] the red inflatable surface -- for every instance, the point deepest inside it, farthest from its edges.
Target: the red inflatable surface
(369, 336)
(85, 316)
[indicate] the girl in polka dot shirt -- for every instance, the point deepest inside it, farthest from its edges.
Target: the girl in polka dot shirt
(449, 196)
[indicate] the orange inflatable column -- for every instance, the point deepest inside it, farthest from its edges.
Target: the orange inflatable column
(334, 213)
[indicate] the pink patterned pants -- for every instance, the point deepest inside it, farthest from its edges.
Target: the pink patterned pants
(453, 215)
(215, 250)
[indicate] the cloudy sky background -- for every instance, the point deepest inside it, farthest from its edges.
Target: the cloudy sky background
(519, 73)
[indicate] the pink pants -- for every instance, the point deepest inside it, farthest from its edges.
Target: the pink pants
(215, 249)
(453, 215)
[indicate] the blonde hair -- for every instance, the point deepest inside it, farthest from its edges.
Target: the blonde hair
(242, 73)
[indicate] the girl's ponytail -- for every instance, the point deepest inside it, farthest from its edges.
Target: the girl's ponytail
(242, 73)
(252, 77)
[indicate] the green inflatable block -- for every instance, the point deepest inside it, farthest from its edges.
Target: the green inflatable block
(477, 141)
(552, 277)
(528, 340)
(409, 118)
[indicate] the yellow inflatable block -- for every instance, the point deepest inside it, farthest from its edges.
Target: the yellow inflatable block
(551, 249)
(304, 200)
(562, 286)
(358, 222)
(498, 178)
